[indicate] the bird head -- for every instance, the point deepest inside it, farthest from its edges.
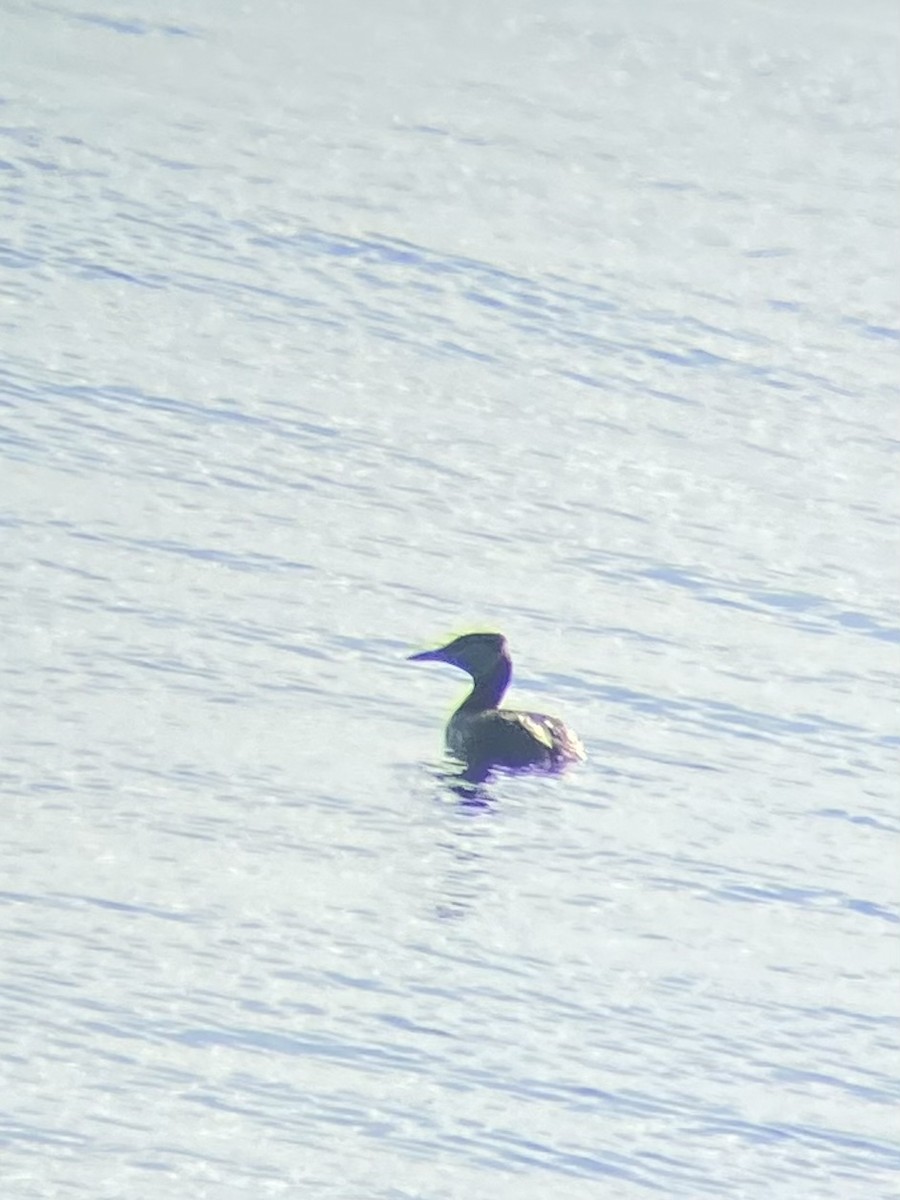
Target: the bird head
(475, 653)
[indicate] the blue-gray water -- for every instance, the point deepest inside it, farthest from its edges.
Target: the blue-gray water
(329, 330)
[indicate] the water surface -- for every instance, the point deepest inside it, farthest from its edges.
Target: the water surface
(325, 335)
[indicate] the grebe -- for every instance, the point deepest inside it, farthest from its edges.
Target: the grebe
(483, 735)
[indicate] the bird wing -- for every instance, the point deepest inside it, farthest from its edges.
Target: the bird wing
(536, 727)
(511, 738)
(508, 738)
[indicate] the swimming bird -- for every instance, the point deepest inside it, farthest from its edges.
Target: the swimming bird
(483, 735)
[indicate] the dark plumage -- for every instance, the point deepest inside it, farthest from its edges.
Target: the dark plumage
(481, 734)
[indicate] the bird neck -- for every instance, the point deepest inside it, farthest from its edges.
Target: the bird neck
(488, 688)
